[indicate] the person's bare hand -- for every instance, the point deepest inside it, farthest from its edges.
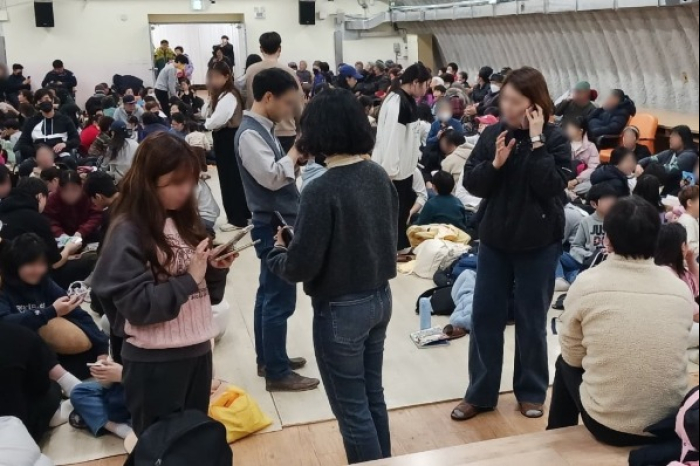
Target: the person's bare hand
(279, 237)
(220, 258)
(72, 247)
(471, 110)
(108, 372)
(65, 305)
(200, 262)
(60, 147)
(536, 119)
(503, 151)
(573, 184)
(639, 171)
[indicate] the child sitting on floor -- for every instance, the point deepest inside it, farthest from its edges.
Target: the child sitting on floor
(589, 237)
(444, 208)
(688, 198)
(453, 144)
(71, 212)
(673, 253)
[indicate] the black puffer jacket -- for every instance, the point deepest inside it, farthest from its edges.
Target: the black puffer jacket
(523, 208)
(611, 175)
(611, 122)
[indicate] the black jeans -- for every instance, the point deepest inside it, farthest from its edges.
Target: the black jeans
(407, 197)
(74, 270)
(566, 407)
(164, 101)
(530, 276)
(40, 410)
(157, 389)
(232, 192)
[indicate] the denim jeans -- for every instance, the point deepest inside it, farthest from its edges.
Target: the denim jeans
(97, 405)
(568, 268)
(349, 335)
(275, 303)
(532, 273)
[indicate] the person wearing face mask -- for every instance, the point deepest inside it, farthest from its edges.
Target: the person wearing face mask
(51, 128)
(444, 120)
(348, 78)
(491, 102)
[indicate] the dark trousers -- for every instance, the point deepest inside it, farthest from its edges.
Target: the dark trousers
(566, 407)
(275, 303)
(349, 335)
(156, 389)
(164, 101)
(74, 270)
(232, 192)
(287, 142)
(40, 410)
(407, 197)
(76, 364)
(530, 275)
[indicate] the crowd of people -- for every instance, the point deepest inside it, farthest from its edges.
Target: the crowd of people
(113, 198)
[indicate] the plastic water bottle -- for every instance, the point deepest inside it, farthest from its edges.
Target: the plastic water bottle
(426, 311)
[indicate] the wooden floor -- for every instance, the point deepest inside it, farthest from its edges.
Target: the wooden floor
(413, 430)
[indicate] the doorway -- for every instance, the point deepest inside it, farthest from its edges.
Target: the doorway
(198, 40)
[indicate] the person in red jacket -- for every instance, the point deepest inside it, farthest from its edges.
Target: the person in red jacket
(70, 210)
(90, 133)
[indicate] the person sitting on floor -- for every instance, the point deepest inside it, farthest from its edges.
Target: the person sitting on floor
(99, 147)
(100, 406)
(624, 336)
(444, 208)
(70, 211)
(585, 157)
(681, 157)
(689, 199)
(589, 238)
(152, 123)
(674, 253)
(619, 173)
(444, 120)
(649, 188)
(612, 118)
(120, 152)
(43, 159)
(52, 177)
(630, 141)
(453, 144)
(577, 105)
(103, 193)
(29, 297)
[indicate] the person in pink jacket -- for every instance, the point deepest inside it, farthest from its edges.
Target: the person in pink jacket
(585, 157)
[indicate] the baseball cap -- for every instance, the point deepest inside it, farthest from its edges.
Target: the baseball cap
(349, 71)
(583, 86)
(497, 78)
(487, 120)
(118, 126)
(128, 99)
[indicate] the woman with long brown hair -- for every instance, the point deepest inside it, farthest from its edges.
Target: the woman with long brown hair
(154, 280)
(223, 116)
(520, 167)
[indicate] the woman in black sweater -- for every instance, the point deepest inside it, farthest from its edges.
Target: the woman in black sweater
(344, 252)
(520, 167)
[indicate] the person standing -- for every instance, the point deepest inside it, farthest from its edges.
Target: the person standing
(166, 84)
(162, 56)
(521, 168)
(223, 116)
(271, 48)
(269, 177)
(398, 141)
(155, 278)
(227, 49)
(189, 68)
(16, 82)
(344, 270)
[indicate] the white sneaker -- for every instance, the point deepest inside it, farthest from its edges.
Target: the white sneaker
(561, 285)
(228, 228)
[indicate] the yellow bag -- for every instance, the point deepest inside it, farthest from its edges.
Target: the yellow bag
(239, 413)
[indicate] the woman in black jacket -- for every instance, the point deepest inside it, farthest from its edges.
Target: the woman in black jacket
(520, 168)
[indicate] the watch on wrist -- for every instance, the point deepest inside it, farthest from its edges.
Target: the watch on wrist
(541, 139)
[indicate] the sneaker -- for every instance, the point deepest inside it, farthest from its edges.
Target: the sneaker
(228, 228)
(561, 285)
(294, 364)
(292, 383)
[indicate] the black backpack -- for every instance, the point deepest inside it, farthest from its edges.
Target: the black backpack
(183, 439)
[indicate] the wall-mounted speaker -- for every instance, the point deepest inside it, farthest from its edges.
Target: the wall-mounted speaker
(43, 12)
(307, 12)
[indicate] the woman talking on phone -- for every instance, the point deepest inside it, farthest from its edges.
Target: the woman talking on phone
(521, 168)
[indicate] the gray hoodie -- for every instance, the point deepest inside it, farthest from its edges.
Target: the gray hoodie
(589, 238)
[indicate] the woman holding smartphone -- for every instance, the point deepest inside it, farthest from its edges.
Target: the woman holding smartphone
(520, 167)
(155, 279)
(346, 274)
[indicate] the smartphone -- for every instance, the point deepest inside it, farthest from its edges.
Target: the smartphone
(279, 222)
(230, 252)
(228, 247)
(95, 364)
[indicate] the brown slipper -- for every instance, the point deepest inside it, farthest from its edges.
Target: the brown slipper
(465, 411)
(455, 332)
(403, 258)
(531, 410)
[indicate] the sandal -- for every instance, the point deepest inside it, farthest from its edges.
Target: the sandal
(531, 410)
(455, 332)
(465, 411)
(76, 421)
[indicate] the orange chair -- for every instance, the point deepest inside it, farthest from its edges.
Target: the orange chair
(648, 126)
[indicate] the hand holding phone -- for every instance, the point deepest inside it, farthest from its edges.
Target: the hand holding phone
(284, 233)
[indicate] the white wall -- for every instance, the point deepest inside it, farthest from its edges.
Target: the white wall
(98, 38)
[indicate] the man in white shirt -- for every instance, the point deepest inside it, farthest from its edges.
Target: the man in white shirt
(398, 141)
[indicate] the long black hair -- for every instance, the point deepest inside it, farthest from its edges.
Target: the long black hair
(648, 188)
(669, 247)
(24, 249)
(686, 134)
(117, 143)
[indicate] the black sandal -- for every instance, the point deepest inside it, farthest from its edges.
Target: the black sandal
(76, 421)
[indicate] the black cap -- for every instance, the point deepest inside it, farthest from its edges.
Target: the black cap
(17, 66)
(128, 99)
(497, 78)
(485, 73)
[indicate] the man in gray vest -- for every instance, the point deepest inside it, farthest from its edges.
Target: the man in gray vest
(269, 178)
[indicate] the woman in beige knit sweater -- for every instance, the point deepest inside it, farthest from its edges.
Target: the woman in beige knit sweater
(624, 336)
